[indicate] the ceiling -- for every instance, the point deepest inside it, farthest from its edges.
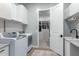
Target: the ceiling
(49, 4)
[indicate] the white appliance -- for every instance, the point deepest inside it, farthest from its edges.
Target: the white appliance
(18, 43)
(29, 41)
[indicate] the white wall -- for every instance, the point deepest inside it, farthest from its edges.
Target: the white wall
(66, 24)
(70, 24)
(13, 26)
(74, 25)
(66, 29)
(1, 25)
(32, 17)
(10, 26)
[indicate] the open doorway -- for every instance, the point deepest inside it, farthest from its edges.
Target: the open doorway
(44, 29)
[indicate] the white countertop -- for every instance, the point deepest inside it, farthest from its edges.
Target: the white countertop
(72, 40)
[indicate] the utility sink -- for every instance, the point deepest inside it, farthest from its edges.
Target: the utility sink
(71, 46)
(73, 40)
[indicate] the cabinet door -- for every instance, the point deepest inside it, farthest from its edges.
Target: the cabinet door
(22, 14)
(56, 28)
(25, 15)
(8, 11)
(4, 10)
(67, 48)
(73, 8)
(66, 13)
(13, 12)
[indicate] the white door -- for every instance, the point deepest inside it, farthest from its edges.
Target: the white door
(56, 28)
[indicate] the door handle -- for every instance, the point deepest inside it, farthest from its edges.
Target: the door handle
(61, 35)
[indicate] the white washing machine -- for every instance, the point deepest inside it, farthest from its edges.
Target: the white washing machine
(18, 43)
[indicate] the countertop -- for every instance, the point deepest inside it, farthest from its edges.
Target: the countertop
(72, 40)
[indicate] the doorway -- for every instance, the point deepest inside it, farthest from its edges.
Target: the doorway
(44, 29)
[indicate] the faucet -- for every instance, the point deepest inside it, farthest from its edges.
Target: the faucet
(76, 32)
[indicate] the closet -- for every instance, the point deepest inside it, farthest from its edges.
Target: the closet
(44, 28)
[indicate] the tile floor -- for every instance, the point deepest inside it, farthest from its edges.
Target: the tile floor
(41, 52)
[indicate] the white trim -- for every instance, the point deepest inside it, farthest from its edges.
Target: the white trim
(38, 28)
(44, 9)
(38, 24)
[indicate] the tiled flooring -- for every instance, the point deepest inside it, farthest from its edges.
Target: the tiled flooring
(41, 52)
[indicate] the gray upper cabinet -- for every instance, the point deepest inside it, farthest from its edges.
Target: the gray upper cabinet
(71, 10)
(5, 10)
(22, 14)
(14, 12)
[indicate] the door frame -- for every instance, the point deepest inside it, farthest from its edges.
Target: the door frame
(38, 26)
(38, 22)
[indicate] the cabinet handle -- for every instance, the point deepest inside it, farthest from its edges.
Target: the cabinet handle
(2, 51)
